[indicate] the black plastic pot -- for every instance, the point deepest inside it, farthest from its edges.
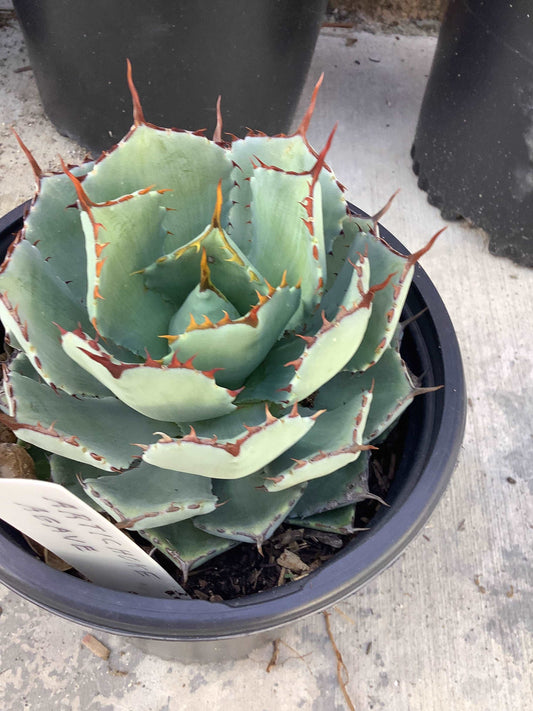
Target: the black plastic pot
(185, 53)
(204, 631)
(473, 148)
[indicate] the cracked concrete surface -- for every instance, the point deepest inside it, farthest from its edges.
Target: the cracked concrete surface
(449, 625)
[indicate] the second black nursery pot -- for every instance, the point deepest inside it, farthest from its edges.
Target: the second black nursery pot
(198, 631)
(473, 148)
(184, 53)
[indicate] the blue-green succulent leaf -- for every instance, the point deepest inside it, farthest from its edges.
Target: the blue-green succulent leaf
(348, 485)
(393, 390)
(346, 287)
(190, 166)
(230, 447)
(238, 347)
(121, 237)
(54, 224)
(329, 349)
(334, 442)
(171, 496)
(202, 305)
(250, 513)
(185, 545)
(339, 521)
(86, 429)
(290, 154)
(388, 302)
(176, 274)
(32, 300)
(271, 379)
(69, 472)
(288, 241)
(150, 388)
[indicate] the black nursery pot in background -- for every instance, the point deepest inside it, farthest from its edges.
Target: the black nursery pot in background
(198, 631)
(473, 149)
(184, 53)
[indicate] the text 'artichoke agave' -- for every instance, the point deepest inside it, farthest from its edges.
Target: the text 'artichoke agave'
(204, 337)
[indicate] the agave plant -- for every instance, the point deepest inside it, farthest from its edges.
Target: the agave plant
(205, 340)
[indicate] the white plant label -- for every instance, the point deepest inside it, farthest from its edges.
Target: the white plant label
(67, 526)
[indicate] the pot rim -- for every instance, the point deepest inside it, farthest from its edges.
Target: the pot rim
(350, 569)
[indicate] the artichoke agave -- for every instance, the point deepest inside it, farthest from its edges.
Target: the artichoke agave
(205, 339)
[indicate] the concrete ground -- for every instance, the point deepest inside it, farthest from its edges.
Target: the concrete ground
(449, 626)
